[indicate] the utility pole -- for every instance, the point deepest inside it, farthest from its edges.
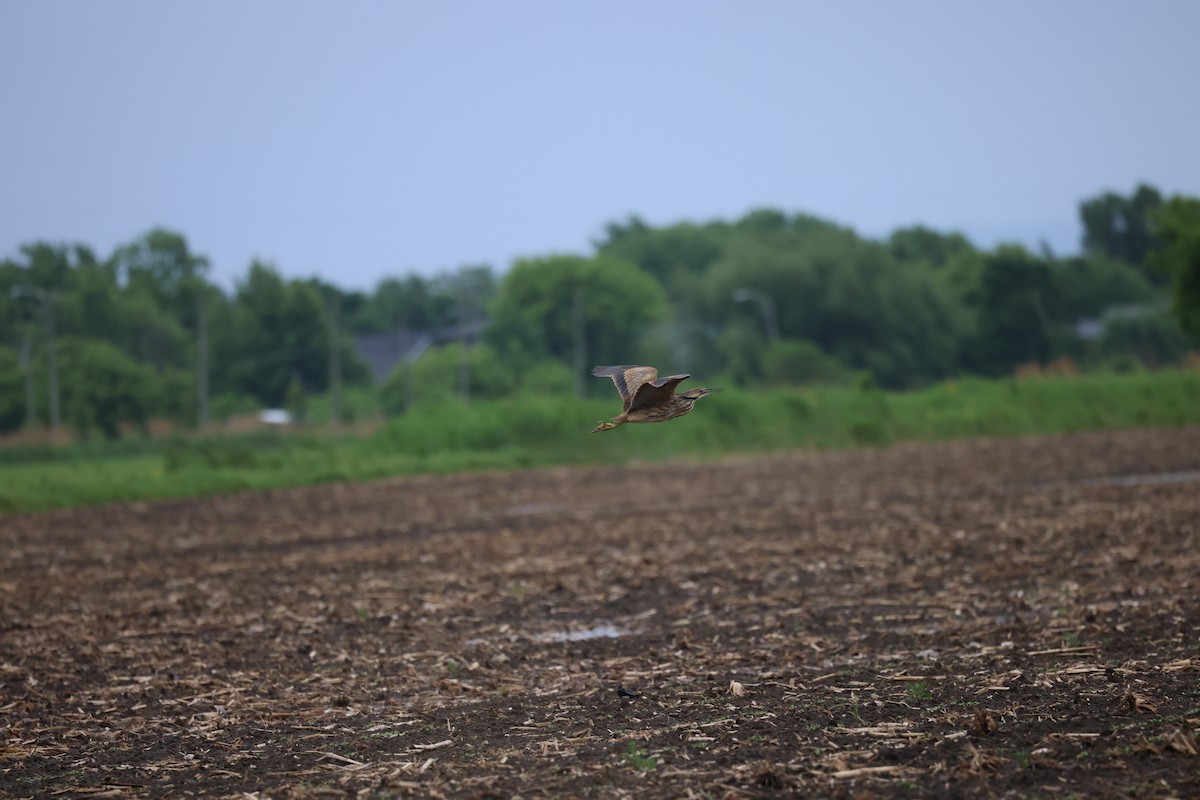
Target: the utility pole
(464, 369)
(201, 361)
(27, 370)
(415, 351)
(466, 323)
(46, 298)
(408, 387)
(51, 343)
(767, 304)
(335, 364)
(580, 342)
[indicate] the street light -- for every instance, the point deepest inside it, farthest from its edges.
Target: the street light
(46, 299)
(767, 304)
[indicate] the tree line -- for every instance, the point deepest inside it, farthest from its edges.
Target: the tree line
(98, 343)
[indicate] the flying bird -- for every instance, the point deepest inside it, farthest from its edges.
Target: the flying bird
(647, 397)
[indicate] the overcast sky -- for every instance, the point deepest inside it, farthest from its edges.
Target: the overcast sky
(357, 140)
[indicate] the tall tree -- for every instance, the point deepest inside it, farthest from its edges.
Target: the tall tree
(408, 303)
(251, 352)
(674, 255)
(103, 387)
(544, 305)
(278, 336)
(1018, 311)
(469, 290)
(13, 404)
(1120, 227)
(161, 264)
(845, 294)
(166, 293)
(46, 278)
(1177, 227)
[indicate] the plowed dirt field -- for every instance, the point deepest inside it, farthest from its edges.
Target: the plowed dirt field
(982, 619)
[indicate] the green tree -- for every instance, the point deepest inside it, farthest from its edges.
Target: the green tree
(435, 377)
(469, 290)
(1155, 340)
(103, 387)
(17, 322)
(161, 265)
(45, 279)
(306, 334)
(175, 397)
(250, 351)
(846, 295)
(542, 305)
(676, 255)
(1085, 287)
(797, 362)
(763, 220)
(12, 391)
(1120, 227)
(277, 332)
(949, 259)
(409, 304)
(548, 378)
(49, 266)
(90, 302)
(164, 311)
(1177, 229)
(919, 244)
(12, 320)
(739, 346)
(1018, 310)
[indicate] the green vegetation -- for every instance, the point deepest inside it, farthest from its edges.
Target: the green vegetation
(637, 759)
(822, 338)
(1178, 255)
(919, 692)
(532, 430)
(142, 339)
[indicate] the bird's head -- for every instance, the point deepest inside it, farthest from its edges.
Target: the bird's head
(696, 394)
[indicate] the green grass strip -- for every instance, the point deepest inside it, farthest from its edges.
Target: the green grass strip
(523, 432)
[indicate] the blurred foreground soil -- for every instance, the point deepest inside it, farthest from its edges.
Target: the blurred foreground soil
(976, 619)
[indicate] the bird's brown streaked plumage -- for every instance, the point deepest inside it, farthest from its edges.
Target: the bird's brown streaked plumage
(647, 398)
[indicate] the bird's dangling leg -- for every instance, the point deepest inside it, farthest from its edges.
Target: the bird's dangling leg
(603, 426)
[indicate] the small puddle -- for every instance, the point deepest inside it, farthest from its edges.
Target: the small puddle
(532, 509)
(1148, 479)
(604, 631)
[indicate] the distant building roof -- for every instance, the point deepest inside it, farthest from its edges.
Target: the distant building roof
(1088, 329)
(383, 351)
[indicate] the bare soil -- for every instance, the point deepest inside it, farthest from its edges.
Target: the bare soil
(983, 619)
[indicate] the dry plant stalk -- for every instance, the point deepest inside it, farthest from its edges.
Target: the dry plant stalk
(1135, 702)
(983, 723)
(1183, 740)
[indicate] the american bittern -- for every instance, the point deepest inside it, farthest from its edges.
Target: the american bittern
(647, 397)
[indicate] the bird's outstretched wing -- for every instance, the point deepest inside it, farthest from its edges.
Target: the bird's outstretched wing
(656, 393)
(628, 379)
